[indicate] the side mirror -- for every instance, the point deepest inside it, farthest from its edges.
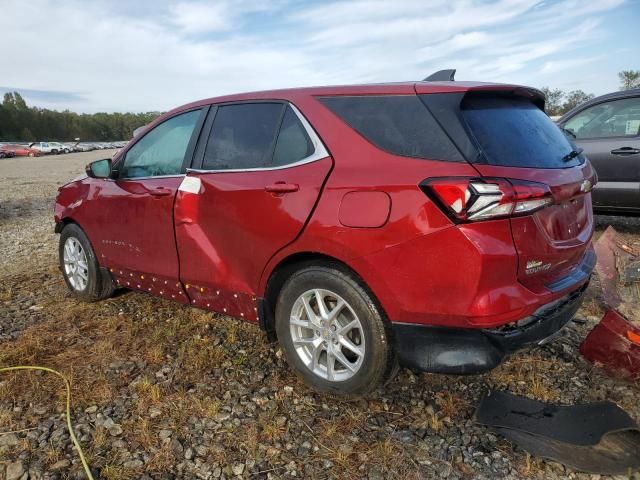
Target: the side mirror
(99, 169)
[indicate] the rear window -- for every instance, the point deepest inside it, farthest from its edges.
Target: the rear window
(398, 124)
(513, 132)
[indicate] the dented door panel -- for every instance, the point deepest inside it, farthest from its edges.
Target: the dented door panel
(229, 227)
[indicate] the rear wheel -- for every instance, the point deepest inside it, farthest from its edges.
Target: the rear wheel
(80, 268)
(332, 333)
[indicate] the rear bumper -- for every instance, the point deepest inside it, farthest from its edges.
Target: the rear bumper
(470, 351)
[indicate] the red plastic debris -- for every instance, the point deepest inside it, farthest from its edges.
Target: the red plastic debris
(614, 344)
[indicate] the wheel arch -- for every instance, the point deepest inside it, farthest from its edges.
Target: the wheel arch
(287, 267)
(63, 222)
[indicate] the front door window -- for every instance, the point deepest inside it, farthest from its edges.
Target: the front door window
(161, 152)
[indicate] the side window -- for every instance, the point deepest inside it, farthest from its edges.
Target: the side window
(162, 150)
(243, 136)
(293, 143)
(618, 118)
(398, 124)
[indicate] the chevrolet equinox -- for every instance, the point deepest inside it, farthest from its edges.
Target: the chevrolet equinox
(437, 225)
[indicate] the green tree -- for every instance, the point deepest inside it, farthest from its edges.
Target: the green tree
(27, 135)
(629, 79)
(553, 100)
(575, 98)
(19, 122)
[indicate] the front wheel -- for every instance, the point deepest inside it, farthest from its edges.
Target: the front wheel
(80, 268)
(332, 333)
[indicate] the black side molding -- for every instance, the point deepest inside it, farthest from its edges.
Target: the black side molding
(266, 320)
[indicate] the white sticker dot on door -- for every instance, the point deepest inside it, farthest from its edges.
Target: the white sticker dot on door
(190, 185)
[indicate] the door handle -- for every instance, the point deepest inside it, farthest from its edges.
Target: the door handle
(625, 151)
(160, 192)
(282, 187)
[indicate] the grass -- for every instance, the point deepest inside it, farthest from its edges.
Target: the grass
(208, 356)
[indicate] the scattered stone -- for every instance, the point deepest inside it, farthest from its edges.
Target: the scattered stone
(188, 453)
(154, 412)
(133, 464)
(14, 470)
(8, 440)
(237, 468)
(60, 464)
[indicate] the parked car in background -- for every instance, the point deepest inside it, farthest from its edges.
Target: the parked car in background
(72, 147)
(50, 147)
(608, 129)
(6, 153)
(21, 150)
(85, 147)
(439, 226)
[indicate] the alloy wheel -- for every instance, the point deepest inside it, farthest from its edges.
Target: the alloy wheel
(327, 335)
(76, 267)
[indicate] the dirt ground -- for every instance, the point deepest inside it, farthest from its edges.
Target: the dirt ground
(165, 391)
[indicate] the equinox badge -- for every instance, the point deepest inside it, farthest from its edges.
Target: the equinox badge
(536, 266)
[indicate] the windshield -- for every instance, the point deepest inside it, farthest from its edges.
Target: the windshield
(513, 132)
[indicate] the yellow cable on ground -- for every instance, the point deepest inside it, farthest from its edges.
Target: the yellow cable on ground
(87, 470)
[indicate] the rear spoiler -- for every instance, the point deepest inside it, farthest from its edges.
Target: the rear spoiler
(536, 96)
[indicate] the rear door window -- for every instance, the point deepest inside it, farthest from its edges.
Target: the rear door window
(243, 136)
(398, 124)
(513, 132)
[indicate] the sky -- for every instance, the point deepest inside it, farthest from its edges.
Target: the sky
(153, 55)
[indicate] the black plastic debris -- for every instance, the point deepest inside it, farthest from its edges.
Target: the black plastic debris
(596, 437)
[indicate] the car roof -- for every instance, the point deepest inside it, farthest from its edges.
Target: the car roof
(619, 95)
(399, 88)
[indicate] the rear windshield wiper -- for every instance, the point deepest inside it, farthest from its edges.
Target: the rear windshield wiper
(570, 132)
(572, 154)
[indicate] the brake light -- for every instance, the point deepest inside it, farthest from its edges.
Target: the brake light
(466, 199)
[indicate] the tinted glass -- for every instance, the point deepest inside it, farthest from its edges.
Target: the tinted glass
(398, 124)
(293, 143)
(514, 132)
(162, 150)
(618, 118)
(243, 136)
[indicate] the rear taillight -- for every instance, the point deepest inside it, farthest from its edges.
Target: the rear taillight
(466, 199)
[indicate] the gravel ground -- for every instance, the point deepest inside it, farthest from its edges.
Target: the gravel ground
(165, 391)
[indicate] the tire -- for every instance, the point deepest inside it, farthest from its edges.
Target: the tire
(376, 363)
(82, 273)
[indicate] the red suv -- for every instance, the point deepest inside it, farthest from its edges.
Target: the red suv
(434, 225)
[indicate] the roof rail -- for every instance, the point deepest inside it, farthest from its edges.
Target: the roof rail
(441, 76)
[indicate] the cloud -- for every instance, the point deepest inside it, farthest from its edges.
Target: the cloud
(50, 97)
(153, 55)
